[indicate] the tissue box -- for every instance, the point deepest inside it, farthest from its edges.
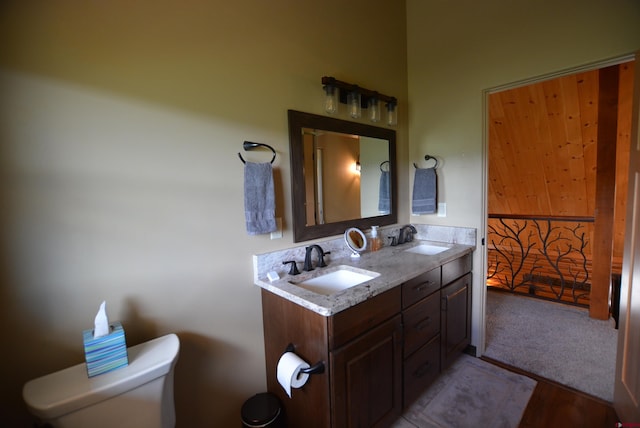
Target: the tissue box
(106, 353)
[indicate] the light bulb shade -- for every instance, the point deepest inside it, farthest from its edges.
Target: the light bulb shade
(392, 114)
(331, 99)
(353, 104)
(373, 108)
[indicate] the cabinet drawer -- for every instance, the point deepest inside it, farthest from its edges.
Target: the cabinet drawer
(420, 370)
(419, 287)
(421, 322)
(350, 323)
(456, 268)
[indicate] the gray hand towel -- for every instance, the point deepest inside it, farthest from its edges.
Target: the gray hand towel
(259, 198)
(424, 191)
(384, 195)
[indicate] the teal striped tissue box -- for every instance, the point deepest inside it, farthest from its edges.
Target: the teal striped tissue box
(106, 353)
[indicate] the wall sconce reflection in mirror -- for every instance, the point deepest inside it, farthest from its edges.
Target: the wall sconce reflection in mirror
(356, 167)
(356, 98)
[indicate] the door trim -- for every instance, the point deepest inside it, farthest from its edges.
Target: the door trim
(626, 396)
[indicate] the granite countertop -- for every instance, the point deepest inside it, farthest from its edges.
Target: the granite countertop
(394, 264)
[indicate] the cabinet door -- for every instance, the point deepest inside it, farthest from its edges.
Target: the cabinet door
(455, 328)
(366, 378)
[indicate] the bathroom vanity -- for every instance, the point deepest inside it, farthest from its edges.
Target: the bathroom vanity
(382, 341)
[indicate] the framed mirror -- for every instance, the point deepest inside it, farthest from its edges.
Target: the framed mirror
(343, 174)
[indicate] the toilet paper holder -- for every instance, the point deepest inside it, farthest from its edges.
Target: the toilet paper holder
(318, 368)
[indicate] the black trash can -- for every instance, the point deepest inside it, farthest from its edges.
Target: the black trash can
(262, 410)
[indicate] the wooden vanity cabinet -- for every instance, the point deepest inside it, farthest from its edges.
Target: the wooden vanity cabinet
(362, 350)
(379, 355)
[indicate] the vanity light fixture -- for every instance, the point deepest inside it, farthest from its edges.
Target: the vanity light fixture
(356, 98)
(374, 109)
(331, 99)
(392, 113)
(354, 103)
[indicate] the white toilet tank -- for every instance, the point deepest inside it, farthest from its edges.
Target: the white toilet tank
(139, 395)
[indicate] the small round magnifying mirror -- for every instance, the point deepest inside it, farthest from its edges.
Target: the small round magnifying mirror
(356, 241)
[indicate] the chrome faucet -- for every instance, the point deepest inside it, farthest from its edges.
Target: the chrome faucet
(307, 257)
(402, 235)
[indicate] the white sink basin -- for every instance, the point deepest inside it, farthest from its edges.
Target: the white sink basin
(340, 278)
(427, 250)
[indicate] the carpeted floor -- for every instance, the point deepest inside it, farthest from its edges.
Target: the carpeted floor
(553, 340)
(471, 393)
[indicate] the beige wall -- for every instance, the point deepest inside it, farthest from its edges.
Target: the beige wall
(120, 124)
(458, 51)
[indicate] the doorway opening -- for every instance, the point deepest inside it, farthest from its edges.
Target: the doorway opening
(556, 172)
(541, 181)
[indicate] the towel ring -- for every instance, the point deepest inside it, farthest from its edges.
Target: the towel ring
(248, 145)
(388, 166)
(427, 157)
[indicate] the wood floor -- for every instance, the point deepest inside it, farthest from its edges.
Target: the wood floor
(555, 405)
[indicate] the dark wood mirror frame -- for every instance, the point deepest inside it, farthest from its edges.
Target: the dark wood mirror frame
(298, 121)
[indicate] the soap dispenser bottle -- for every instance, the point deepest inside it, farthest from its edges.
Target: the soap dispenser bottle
(376, 241)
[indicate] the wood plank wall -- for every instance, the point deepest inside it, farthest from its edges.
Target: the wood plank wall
(542, 152)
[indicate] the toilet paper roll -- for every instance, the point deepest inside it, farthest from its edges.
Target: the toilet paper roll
(288, 371)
